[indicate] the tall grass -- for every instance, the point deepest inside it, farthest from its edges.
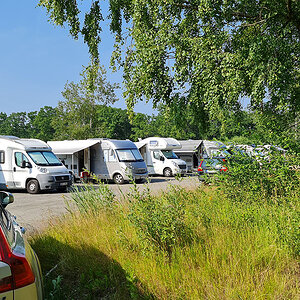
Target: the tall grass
(184, 244)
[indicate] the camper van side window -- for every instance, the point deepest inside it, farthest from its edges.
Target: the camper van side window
(112, 155)
(105, 155)
(19, 158)
(2, 157)
(156, 155)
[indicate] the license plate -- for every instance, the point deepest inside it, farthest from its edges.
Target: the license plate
(64, 183)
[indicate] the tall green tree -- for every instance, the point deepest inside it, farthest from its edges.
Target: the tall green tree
(76, 116)
(207, 53)
(3, 123)
(112, 123)
(40, 124)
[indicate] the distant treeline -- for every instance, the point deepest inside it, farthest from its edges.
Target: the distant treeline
(54, 124)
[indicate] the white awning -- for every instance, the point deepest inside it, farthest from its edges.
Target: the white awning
(71, 147)
(189, 146)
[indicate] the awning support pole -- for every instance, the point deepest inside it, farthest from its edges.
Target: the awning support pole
(72, 163)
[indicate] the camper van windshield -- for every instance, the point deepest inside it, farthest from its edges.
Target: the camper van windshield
(44, 158)
(169, 154)
(128, 155)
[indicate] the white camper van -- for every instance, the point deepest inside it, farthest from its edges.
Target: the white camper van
(30, 164)
(159, 156)
(116, 160)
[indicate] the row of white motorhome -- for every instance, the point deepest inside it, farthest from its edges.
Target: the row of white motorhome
(30, 164)
(120, 160)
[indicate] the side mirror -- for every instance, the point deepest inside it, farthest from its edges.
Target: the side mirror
(26, 164)
(6, 198)
(162, 158)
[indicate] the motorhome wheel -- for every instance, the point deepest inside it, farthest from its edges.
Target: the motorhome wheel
(167, 172)
(118, 179)
(33, 186)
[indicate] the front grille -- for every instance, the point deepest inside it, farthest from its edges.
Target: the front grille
(140, 171)
(182, 167)
(62, 178)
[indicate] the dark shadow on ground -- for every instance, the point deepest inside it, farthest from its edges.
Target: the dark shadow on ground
(85, 272)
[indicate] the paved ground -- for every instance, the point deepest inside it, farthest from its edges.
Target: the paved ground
(35, 211)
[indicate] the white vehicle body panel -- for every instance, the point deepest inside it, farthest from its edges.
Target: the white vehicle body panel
(14, 175)
(154, 151)
(100, 157)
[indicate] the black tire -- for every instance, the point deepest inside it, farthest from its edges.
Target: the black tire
(168, 172)
(33, 186)
(118, 179)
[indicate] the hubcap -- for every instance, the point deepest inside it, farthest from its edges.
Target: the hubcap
(32, 186)
(119, 178)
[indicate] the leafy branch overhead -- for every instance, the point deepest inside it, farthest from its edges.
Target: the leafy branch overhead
(208, 54)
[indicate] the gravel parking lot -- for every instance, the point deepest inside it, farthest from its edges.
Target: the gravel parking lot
(35, 211)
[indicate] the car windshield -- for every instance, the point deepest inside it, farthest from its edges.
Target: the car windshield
(169, 154)
(217, 152)
(129, 155)
(44, 158)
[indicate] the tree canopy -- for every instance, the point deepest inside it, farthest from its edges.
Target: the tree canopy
(208, 54)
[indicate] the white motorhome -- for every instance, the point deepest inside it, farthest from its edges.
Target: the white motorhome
(30, 164)
(116, 160)
(158, 154)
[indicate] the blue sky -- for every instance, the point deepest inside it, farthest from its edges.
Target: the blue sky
(37, 59)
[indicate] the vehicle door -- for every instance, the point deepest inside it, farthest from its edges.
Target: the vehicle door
(158, 162)
(5, 270)
(111, 161)
(21, 169)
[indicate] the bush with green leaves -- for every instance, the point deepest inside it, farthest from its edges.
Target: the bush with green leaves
(160, 221)
(270, 177)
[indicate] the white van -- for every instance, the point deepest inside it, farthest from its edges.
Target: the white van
(158, 154)
(116, 160)
(30, 164)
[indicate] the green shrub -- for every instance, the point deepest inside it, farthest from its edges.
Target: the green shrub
(160, 220)
(269, 178)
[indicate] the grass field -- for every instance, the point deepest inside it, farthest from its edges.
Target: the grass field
(184, 244)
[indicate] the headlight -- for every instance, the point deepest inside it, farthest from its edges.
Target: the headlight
(175, 164)
(43, 170)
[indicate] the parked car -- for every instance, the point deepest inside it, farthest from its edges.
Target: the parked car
(212, 166)
(20, 272)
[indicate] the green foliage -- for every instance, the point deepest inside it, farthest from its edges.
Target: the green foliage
(269, 177)
(204, 54)
(76, 117)
(56, 288)
(160, 221)
(89, 199)
(36, 124)
(234, 248)
(114, 122)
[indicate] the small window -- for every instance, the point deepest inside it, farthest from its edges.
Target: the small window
(112, 155)
(2, 157)
(105, 155)
(156, 155)
(19, 158)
